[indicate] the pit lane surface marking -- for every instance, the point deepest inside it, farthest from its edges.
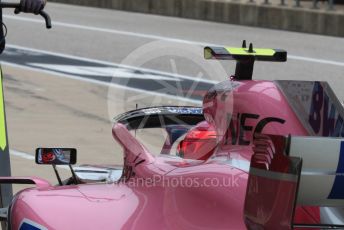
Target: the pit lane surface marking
(105, 73)
(28, 156)
(156, 37)
(21, 154)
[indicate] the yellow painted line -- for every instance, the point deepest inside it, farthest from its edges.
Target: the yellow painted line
(3, 138)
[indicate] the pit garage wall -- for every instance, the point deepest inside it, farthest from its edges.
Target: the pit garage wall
(249, 14)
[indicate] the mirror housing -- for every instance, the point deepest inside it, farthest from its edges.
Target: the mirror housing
(55, 156)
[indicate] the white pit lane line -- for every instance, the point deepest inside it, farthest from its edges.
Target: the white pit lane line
(196, 102)
(155, 37)
(23, 155)
(53, 73)
(30, 157)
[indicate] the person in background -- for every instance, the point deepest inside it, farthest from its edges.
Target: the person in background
(26, 6)
(32, 6)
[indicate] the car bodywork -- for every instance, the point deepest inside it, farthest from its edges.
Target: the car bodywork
(273, 160)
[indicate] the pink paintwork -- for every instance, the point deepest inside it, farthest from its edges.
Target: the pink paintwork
(173, 193)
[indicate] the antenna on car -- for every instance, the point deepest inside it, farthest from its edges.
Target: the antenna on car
(244, 44)
(244, 57)
(250, 49)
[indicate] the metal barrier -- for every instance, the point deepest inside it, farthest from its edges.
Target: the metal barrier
(330, 4)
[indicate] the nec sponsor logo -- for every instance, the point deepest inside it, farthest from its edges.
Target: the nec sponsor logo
(238, 127)
(324, 117)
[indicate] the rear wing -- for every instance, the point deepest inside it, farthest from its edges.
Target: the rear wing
(245, 57)
(290, 171)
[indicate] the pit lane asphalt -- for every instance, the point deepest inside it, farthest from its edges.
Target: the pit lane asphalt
(44, 109)
(96, 35)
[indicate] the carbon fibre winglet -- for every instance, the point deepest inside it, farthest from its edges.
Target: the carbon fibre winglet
(40, 183)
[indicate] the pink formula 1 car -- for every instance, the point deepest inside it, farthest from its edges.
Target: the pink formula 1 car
(257, 155)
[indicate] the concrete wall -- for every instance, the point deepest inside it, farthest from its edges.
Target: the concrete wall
(274, 17)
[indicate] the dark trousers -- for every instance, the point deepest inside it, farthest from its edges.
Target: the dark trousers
(2, 37)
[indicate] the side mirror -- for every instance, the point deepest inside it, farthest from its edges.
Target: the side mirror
(56, 156)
